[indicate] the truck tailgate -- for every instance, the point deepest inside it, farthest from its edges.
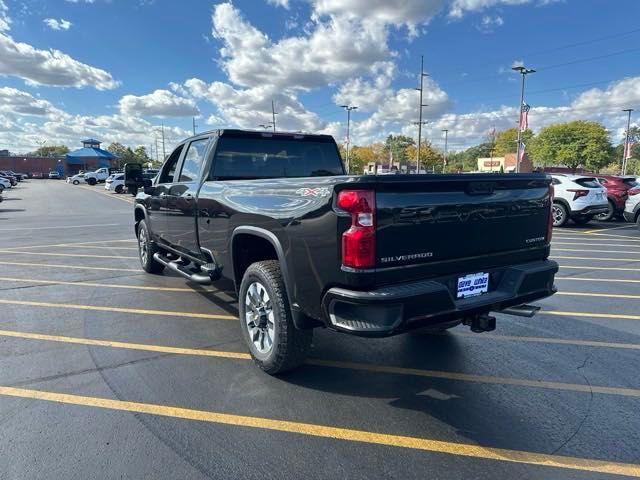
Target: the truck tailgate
(438, 218)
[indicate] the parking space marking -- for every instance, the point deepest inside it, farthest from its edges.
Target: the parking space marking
(63, 227)
(101, 247)
(598, 230)
(71, 244)
(582, 267)
(615, 316)
(81, 283)
(606, 259)
(116, 196)
(593, 238)
(591, 251)
(605, 280)
(50, 254)
(601, 295)
(595, 244)
(366, 367)
(98, 308)
(74, 267)
(333, 433)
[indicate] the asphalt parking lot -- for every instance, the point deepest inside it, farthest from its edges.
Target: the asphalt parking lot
(107, 372)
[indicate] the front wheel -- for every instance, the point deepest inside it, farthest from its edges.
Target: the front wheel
(560, 214)
(92, 181)
(146, 250)
(274, 342)
(119, 188)
(608, 215)
(76, 182)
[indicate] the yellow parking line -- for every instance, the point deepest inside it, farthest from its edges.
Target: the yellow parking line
(591, 251)
(597, 258)
(74, 267)
(582, 267)
(99, 285)
(49, 254)
(101, 247)
(169, 313)
(605, 280)
(334, 433)
(616, 316)
(598, 230)
(116, 196)
(592, 238)
(595, 244)
(416, 372)
(71, 244)
(601, 295)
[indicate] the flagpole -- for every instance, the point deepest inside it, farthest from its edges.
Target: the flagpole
(523, 71)
(626, 141)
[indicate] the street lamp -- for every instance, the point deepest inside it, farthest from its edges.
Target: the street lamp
(524, 72)
(348, 108)
(626, 141)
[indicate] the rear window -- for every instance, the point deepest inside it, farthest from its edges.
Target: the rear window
(630, 182)
(240, 158)
(588, 183)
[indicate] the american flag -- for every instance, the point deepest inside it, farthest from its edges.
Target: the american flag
(524, 117)
(521, 152)
(628, 146)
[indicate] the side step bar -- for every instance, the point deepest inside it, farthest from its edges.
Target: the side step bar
(202, 279)
(521, 310)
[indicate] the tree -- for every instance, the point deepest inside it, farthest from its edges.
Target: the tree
(429, 157)
(397, 145)
(467, 160)
(51, 151)
(574, 144)
(140, 154)
(507, 139)
(361, 156)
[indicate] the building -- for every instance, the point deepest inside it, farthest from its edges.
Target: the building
(32, 164)
(505, 164)
(89, 157)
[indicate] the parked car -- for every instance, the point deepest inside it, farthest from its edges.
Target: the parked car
(76, 179)
(632, 205)
(53, 175)
(306, 245)
(115, 183)
(10, 173)
(4, 183)
(37, 175)
(98, 176)
(577, 197)
(10, 178)
(617, 187)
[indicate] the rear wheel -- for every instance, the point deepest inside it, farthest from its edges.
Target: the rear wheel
(119, 188)
(274, 342)
(608, 215)
(92, 181)
(560, 214)
(76, 182)
(146, 250)
(583, 220)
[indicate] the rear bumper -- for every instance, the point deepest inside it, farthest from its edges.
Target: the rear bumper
(398, 308)
(591, 210)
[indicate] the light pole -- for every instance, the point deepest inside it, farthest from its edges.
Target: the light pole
(446, 138)
(420, 105)
(348, 108)
(273, 114)
(524, 72)
(626, 141)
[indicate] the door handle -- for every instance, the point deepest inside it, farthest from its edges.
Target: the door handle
(188, 197)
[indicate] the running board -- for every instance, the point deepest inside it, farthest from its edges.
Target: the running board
(521, 310)
(176, 267)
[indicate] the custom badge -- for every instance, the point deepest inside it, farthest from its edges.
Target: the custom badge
(313, 192)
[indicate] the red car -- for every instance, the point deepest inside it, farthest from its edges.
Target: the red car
(617, 187)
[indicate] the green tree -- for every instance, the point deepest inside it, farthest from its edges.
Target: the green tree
(141, 156)
(635, 152)
(574, 144)
(397, 145)
(51, 151)
(430, 158)
(507, 139)
(467, 160)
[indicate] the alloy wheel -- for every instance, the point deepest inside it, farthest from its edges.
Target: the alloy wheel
(259, 317)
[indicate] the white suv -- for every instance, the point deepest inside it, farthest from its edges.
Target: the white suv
(577, 197)
(115, 183)
(632, 205)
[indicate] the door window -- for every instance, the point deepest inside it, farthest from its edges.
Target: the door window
(169, 168)
(193, 160)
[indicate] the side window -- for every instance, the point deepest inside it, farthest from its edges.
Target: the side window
(555, 181)
(193, 160)
(169, 168)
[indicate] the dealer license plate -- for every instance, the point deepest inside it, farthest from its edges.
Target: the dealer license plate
(473, 284)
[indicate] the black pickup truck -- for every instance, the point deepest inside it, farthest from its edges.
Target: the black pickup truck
(274, 217)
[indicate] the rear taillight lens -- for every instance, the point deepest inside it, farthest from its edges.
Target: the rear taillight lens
(359, 242)
(633, 191)
(550, 219)
(578, 193)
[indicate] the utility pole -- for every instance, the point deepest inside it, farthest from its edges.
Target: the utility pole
(156, 138)
(420, 106)
(348, 108)
(164, 153)
(446, 138)
(524, 72)
(273, 114)
(194, 125)
(626, 141)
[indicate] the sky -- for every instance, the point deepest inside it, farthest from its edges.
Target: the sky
(119, 70)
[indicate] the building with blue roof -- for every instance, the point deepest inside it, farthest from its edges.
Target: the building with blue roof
(89, 157)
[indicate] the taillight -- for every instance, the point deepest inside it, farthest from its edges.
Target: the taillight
(359, 242)
(578, 193)
(550, 220)
(633, 191)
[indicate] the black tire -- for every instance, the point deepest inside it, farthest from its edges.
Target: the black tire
(133, 190)
(119, 188)
(560, 214)
(582, 220)
(605, 217)
(76, 182)
(92, 181)
(270, 316)
(146, 249)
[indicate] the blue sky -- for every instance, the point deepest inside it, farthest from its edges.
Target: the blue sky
(126, 66)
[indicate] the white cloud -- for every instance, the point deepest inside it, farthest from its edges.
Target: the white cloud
(54, 24)
(160, 103)
(279, 3)
(459, 7)
(18, 102)
(5, 21)
(49, 67)
(489, 23)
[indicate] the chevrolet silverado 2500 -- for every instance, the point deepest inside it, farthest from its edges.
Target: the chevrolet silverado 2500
(274, 217)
